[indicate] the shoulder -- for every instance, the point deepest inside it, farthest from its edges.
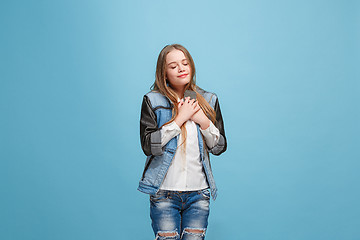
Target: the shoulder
(210, 97)
(157, 99)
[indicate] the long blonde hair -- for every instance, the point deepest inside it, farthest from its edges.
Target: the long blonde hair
(161, 85)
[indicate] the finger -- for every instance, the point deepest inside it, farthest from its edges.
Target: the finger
(192, 101)
(197, 108)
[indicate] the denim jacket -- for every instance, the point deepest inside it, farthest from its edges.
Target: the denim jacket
(156, 110)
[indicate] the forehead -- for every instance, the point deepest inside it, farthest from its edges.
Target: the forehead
(175, 56)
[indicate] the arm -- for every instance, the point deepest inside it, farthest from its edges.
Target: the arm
(214, 135)
(211, 135)
(221, 145)
(168, 132)
(150, 136)
(154, 138)
(186, 109)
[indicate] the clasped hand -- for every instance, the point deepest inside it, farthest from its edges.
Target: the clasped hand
(190, 110)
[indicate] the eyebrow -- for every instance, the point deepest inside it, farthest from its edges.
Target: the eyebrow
(175, 62)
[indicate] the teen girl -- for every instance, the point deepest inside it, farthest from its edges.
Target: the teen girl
(177, 133)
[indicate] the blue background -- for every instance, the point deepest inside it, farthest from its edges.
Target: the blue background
(73, 74)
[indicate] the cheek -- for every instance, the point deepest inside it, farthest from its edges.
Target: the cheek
(188, 69)
(170, 74)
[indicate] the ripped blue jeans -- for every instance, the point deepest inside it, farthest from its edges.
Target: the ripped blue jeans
(180, 214)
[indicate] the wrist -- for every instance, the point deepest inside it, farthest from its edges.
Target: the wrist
(205, 124)
(179, 121)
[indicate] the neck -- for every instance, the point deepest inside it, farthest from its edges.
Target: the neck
(179, 92)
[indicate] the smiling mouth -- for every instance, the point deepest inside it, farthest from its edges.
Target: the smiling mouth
(183, 75)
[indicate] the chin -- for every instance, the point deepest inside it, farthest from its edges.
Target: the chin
(186, 80)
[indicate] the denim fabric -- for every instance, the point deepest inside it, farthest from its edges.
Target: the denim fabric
(156, 166)
(178, 213)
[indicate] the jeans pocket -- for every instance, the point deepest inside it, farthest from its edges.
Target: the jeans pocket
(159, 196)
(205, 193)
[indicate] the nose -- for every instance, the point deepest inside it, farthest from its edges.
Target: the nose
(181, 68)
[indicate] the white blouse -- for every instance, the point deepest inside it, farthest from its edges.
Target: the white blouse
(186, 171)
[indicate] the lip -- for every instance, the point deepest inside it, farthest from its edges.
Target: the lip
(183, 75)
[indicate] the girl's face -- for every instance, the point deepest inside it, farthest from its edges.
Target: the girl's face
(178, 72)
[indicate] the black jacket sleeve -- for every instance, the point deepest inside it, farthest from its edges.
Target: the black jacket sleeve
(221, 146)
(149, 132)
